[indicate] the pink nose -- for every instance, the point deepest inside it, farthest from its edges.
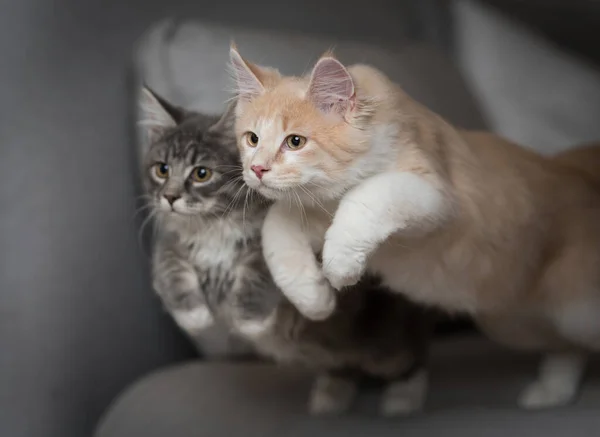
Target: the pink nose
(259, 170)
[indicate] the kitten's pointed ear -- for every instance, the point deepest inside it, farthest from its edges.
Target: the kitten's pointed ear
(249, 78)
(331, 87)
(156, 114)
(225, 125)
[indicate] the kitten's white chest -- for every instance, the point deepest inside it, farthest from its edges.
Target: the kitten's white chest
(217, 246)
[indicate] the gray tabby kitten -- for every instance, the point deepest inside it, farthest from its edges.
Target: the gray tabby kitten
(208, 266)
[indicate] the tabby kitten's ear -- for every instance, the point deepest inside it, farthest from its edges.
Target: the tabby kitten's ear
(157, 115)
(225, 125)
(331, 87)
(250, 79)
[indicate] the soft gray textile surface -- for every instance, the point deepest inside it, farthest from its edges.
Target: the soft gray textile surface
(530, 91)
(473, 391)
(187, 64)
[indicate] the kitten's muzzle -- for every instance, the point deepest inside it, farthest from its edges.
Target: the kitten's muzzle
(259, 171)
(171, 198)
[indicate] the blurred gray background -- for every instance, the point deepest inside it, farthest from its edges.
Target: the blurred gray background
(78, 322)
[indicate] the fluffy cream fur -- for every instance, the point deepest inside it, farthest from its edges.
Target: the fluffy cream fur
(464, 221)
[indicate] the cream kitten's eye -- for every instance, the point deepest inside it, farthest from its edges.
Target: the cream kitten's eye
(161, 170)
(201, 174)
(251, 139)
(295, 142)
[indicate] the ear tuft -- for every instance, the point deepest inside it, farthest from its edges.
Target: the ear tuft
(246, 76)
(331, 87)
(226, 123)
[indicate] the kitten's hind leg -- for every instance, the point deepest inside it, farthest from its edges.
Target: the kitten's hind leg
(405, 396)
(332, 394)
(252, 306)
(194, 320)
(180, 292)
(253, 328)
(557, 383)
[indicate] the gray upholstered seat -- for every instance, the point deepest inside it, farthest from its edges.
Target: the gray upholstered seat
(473, 390)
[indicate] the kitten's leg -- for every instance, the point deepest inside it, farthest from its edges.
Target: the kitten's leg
(253, 309)
(332, 394)
(405, 396)
(372, 212)
(557, 382)
(176, 282)
(194, 320)
(249, 305)
(292, 263)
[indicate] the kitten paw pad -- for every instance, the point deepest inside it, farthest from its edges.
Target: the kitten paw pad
(540, 395)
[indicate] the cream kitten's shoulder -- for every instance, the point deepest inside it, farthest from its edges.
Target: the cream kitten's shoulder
(363, 72)
(371, 82)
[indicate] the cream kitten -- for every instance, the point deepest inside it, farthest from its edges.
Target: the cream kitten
(467, 222)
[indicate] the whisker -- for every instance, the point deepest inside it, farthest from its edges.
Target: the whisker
(140, 235)
(315, 200)
(252, 193)
(228, 166)
(244, 210)
(233, 183)
(236, 170)
(289, 198)
(303, 215)
(233, 201)
(227, 185)
(334, 194)
(141, 209)
(237, 197)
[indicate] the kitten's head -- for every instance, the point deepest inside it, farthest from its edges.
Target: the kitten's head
(300, 134)
(191, 163)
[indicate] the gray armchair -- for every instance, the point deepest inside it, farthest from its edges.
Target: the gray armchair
(79, 323)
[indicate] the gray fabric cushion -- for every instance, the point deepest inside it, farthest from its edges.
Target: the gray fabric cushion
(473, 392)
(531, 91)
(187, 64)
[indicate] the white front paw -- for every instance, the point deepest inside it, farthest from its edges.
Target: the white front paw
(342, 265)
(557, 383)
(254, 329)
(540, 395)
(315, 302)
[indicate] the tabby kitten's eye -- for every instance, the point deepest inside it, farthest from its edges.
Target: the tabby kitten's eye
(252, 139)
(201, 174)
(295, 142)
(161, 170)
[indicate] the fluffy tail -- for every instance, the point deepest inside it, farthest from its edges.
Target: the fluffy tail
(585, 159)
